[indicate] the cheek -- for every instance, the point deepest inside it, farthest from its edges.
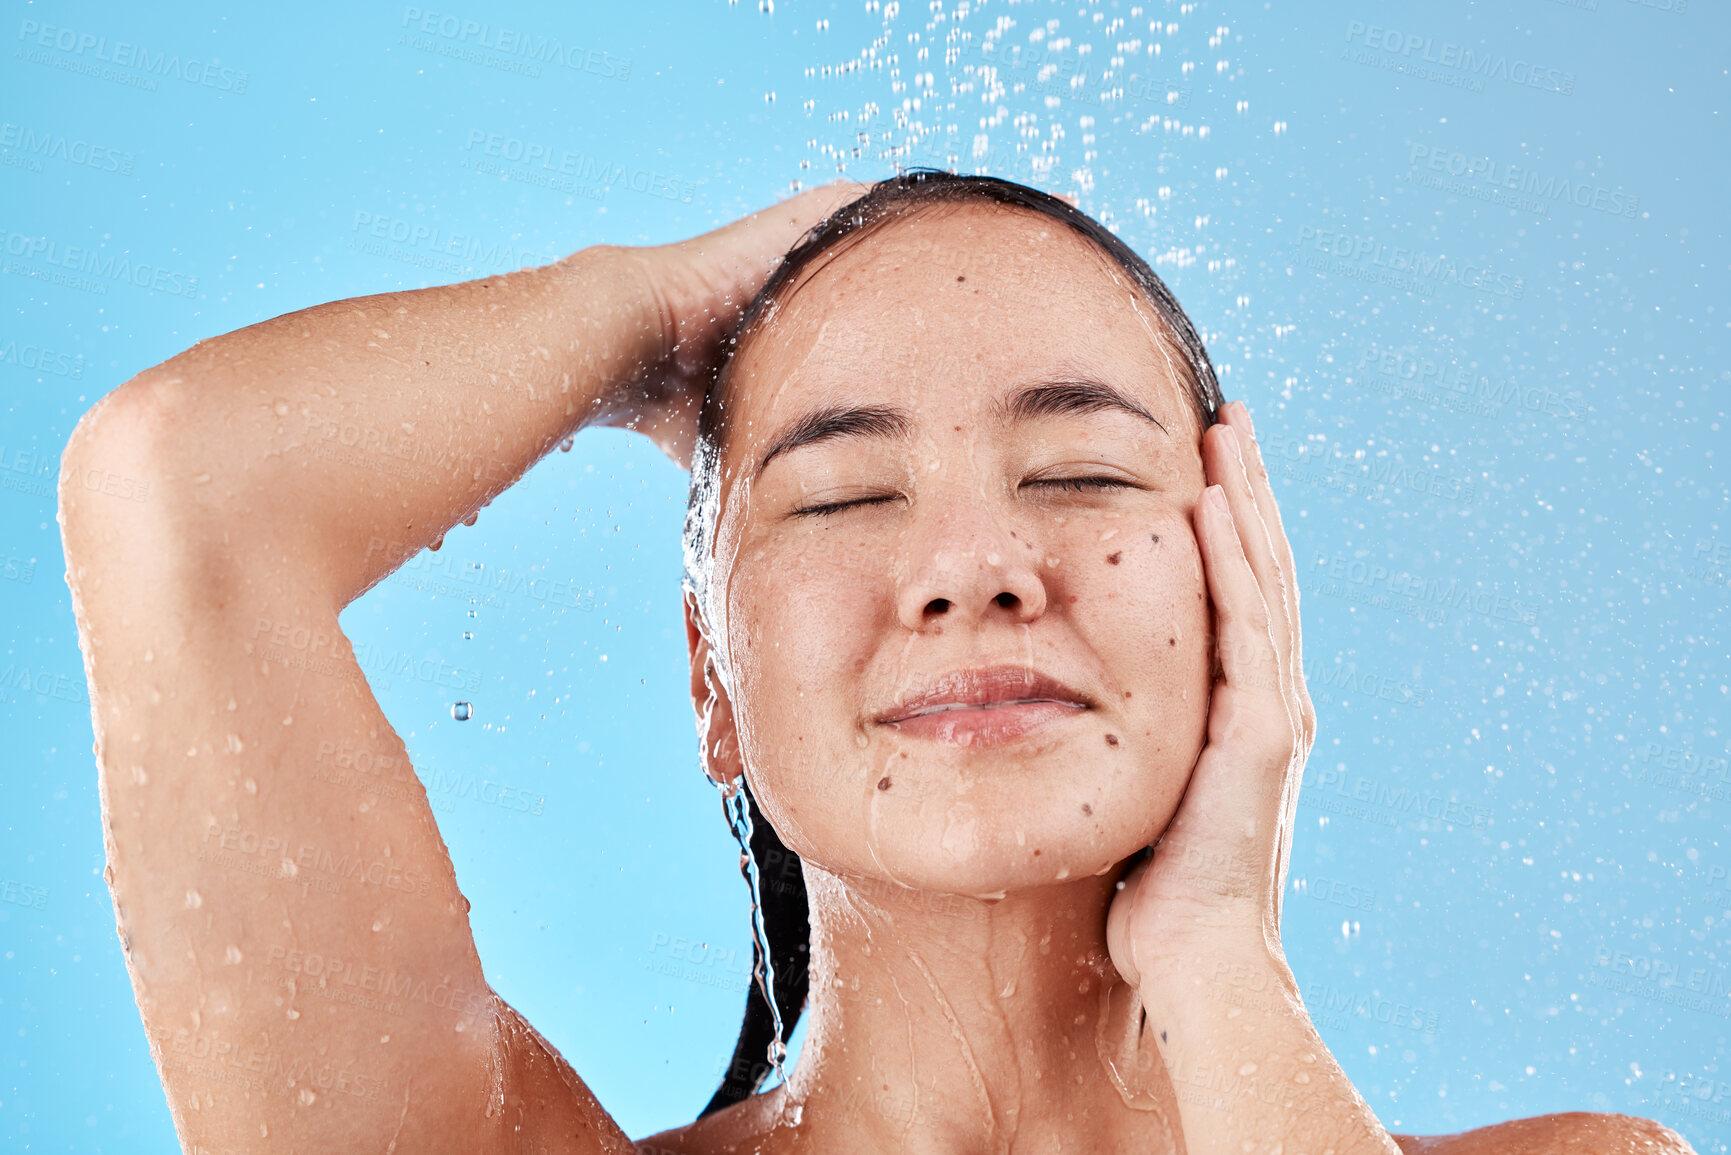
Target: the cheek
(802, 626)
(1138, 600)
(1137, 590)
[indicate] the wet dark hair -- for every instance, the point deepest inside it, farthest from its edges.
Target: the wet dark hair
(782, 952)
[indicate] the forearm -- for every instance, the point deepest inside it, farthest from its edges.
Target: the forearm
(1249, 1069)
(352, 434)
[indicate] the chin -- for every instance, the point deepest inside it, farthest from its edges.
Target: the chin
(986, 824)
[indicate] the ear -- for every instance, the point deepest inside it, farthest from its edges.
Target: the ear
(709, 697)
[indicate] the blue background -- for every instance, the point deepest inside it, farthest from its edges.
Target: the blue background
(1496, 427)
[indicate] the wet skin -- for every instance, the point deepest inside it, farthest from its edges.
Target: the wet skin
(1020, 498)
(942, 1018)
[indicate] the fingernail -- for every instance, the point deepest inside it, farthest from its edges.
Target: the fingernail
(1217, 494)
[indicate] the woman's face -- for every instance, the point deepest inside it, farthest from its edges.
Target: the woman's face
(960, 602)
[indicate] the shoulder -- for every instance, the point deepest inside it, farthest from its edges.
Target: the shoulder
(1563, 1134)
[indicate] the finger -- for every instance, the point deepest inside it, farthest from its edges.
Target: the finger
(1227, 469)
(1241, 615)
(1269, 508)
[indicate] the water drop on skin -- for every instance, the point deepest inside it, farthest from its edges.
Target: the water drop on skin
(194, 900)
(565, 445)
(462, 711)
(307, 1097)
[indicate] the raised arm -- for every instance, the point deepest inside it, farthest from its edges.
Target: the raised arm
(297, 943)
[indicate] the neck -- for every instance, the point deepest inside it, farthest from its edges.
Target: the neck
(943, 1023)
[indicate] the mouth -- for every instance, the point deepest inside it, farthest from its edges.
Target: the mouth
(985, 707)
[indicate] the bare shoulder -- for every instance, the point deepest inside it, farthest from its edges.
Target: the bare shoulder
(1563, 1134)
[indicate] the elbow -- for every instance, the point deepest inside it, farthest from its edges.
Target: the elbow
(120, 468)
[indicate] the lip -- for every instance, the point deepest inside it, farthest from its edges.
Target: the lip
(982, 707)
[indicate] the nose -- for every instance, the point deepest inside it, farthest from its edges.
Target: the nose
(965, 564)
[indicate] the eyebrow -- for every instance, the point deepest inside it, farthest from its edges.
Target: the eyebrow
(1060, 398)
(1070, 397)
(839, 421)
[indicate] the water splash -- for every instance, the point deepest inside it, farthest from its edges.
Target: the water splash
(462, 711)
(736, 805)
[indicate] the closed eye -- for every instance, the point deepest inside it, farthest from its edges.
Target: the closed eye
(1092, 484)
(823, 509)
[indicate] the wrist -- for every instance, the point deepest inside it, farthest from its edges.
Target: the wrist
(1191, 976)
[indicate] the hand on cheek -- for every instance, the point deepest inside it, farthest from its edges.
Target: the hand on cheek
(1217, 874)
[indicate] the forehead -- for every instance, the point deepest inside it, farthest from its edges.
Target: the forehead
(946, 309)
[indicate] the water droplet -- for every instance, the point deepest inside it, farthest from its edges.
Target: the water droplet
(468, 635)
(308, 1097)
(140, 776)
(251, 786)
(292, 1013)
(472, 518)
(437, 542)
(232, 954)
(565, 445)
(108, 875)
(194, 900)
(235, 745)
(1247, 1069)
(462, 711)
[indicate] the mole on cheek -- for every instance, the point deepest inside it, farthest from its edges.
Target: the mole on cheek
(1170, 642)
(1115, 558)
(883, 783)
(1156, 538)
(1111, 739)
(1087, 809)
